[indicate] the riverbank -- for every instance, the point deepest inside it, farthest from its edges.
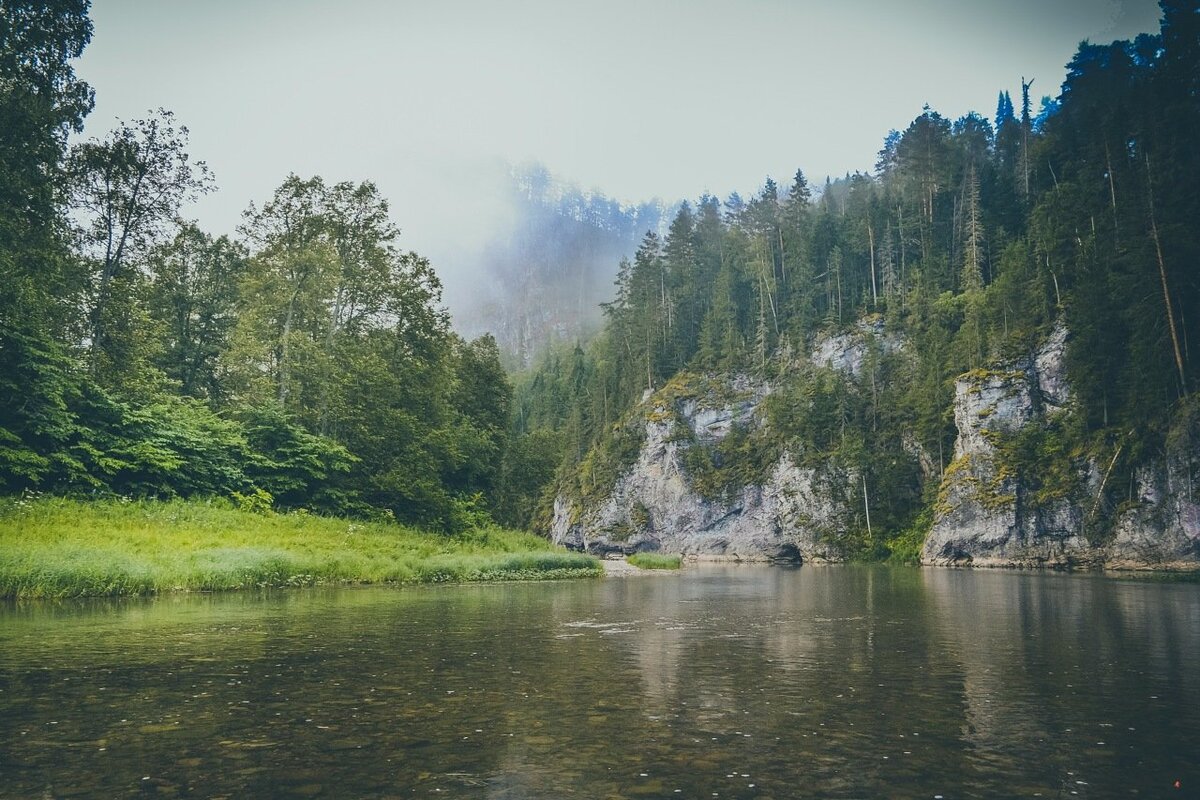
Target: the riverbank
(54, 547)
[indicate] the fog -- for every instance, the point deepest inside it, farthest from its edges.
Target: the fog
(627, 100)
(540, 256)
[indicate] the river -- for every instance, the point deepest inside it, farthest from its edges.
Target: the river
(718, 682)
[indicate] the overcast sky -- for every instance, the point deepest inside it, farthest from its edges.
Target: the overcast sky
(636, 98)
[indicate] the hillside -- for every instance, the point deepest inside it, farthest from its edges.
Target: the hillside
(977, 353)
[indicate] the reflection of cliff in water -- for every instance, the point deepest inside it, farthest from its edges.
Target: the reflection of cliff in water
(1050, 663)
(819, 681)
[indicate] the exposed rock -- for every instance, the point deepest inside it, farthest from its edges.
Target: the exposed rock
(792, 516)
(795, 513)
(1161, 530)
(981, 516)
(847, 352)
(985, 515)
(710, 424)
(912, 445)
(1050, 369)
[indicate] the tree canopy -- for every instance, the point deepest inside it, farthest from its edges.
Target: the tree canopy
(308, 361)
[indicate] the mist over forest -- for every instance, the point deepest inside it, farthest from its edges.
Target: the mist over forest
(538, 277)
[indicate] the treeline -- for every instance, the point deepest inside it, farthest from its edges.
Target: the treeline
(306, 363)
(970, 238)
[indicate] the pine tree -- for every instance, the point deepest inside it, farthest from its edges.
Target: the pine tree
(972, 270)
(887, 265)
(1026, 134)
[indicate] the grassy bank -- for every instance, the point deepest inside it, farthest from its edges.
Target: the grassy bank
(655, 561)
(53, 547)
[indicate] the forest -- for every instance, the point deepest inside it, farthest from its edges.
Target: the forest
(305, 364)
(970, 240)
(308, 362)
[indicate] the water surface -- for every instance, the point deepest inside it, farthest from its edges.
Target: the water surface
(732, 682)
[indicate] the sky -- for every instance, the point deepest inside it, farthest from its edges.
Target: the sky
(633, 98)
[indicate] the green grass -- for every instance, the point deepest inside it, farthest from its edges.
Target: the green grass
(655, 560)
(54, 547)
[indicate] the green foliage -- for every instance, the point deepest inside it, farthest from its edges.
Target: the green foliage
(742, 457)
(527, 470)
(37, 426)
(904, 546)
(467, 513)
(655, 561)
(194, 297)
(258, 501)
(127, 189)
(1047, 458)
(41, 103)
(810, 411)
(613, 455)
(295, 467)
(175, 446)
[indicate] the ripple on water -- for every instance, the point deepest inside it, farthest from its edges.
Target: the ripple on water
(747, 682)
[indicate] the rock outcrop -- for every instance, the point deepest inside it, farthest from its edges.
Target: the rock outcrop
(982, 516)
(793, 513)
(988, 515)
(847, 352)
(654, 505)
(1161, 528)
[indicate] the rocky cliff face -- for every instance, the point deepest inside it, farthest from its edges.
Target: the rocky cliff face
(983, 516)
(1161, 528)
(989, 515)
(793, 512)
(655, 506)
(847, 352)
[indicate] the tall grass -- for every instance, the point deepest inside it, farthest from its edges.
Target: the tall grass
(54, 547)
(655, 561)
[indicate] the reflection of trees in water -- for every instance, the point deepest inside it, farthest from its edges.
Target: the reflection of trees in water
(815, 678)
(1055, 668)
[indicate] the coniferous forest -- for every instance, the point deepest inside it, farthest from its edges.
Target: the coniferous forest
(308, 363)
(970, 239)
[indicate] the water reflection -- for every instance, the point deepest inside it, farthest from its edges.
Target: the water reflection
(1088, 676)
(723, 681)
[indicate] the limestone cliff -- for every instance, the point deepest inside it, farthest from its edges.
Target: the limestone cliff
(785, 511)
(992, 513)
(655, 504)
(992, 509)
(983, 516)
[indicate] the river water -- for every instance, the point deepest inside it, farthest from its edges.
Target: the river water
(729, 682)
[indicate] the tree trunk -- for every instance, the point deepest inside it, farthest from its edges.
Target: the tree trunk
(283, 350)
(867, 506)
(1112, 193)
(1162, 274)
(871, 245)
